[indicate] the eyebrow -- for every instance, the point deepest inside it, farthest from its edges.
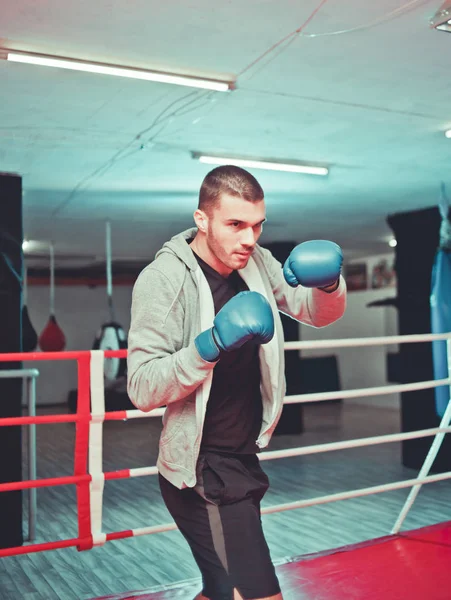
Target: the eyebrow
(239, 221)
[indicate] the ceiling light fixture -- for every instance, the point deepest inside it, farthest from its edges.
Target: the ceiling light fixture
(392, 243)
(291, 167)
(448, 133)
(442, 18)
(119, 71)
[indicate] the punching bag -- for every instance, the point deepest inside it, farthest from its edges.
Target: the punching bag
(52, 338)
(418, 235)
(29, 335)
(111, 335)
(440, 303)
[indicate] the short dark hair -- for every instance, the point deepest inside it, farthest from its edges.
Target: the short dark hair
(228, 179)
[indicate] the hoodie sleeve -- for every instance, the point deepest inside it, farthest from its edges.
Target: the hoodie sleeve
(159, 369)
(310, 306)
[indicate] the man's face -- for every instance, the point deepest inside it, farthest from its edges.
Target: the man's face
(233, 229)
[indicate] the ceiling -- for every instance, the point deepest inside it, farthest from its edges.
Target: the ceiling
(368, 95)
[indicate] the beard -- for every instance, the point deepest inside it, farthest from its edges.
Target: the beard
(229, 258)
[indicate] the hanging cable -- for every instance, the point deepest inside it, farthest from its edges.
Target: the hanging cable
(277, 44)
(161, 117)
(299, 32)
(397, 12)
(52, 278)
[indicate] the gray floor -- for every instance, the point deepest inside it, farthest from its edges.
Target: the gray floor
(146, 562)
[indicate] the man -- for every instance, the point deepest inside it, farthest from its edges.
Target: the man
(206, 340)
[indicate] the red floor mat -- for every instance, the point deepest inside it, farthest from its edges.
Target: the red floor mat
(415, 565)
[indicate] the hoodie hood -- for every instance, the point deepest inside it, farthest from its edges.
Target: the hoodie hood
(178, 246)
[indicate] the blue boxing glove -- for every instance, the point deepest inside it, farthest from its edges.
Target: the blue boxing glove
(314, 264)
(246, 316)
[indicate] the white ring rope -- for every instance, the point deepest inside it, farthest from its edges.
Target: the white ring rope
(368, 341)
(415, 484)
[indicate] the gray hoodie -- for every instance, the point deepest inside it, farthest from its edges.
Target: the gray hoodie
(171, 305)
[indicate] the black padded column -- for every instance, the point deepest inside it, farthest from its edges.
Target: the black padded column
(10, 341)
(417, 235)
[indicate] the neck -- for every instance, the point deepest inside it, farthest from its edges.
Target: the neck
(200, 247)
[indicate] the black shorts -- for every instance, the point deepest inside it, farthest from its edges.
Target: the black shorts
(220, 519)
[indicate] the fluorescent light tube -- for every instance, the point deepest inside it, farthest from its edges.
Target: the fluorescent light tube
(261, 164)
(77, 65)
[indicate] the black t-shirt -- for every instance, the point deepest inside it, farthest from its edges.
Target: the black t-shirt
(234, 409)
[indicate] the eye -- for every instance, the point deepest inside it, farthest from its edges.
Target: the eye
(235, 224)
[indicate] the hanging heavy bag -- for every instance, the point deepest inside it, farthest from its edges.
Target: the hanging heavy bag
(111, 336)
(440, 305)
(29, 335)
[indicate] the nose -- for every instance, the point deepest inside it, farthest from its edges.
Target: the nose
(247, 237)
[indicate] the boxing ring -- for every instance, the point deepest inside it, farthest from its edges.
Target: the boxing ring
(409, 561)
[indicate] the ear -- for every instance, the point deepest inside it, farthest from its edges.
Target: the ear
(201, 220)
